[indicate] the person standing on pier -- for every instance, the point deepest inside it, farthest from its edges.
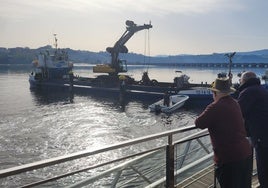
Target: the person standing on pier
(232, 150)
(166, 99)
(253, 100)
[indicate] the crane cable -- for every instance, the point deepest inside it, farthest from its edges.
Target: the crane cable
(147, 46)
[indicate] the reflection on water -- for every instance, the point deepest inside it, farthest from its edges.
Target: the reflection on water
(46, 97)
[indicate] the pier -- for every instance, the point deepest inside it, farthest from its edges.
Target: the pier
(205, 179)
(218, 65)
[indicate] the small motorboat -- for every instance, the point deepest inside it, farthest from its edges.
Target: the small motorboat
(175, 102)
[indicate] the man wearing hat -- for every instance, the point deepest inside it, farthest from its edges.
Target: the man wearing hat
(232, 150)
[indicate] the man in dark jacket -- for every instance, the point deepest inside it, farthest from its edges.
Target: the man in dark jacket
(232, 151)
(253, 100)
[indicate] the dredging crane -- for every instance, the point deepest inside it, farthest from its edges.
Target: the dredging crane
(117, 65)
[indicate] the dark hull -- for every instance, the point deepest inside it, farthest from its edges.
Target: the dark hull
(130, 92)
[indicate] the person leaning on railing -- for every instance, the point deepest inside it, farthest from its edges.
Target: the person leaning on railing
(253, 100)
(232, 150)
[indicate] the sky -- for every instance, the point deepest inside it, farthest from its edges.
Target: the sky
(179, 26)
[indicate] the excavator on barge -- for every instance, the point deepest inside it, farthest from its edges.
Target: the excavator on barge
(120, 66)
(117, 65)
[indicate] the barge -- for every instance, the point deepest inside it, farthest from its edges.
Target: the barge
(53, 70)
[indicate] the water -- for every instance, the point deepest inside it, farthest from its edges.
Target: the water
(36, 126)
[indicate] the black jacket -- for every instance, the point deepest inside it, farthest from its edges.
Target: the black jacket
(253, 100)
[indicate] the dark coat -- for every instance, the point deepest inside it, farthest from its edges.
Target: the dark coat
(253, 100)
(224, 121)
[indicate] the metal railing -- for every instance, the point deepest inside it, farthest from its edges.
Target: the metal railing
(155, 160)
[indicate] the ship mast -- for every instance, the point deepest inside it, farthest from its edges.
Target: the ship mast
(56, 41)
(230, 56)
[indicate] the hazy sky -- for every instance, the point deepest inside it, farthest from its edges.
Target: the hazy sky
(179, 26)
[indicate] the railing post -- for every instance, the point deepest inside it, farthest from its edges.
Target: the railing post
(170, 163)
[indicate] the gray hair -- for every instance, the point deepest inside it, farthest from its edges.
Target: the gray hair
(248, 75)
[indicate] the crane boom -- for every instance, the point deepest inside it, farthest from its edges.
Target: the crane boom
(119, 47)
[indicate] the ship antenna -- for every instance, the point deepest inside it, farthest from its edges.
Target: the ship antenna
(56, 41)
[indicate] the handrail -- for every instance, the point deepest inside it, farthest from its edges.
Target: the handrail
(89, 180)
(85, 153)
(89, 168)
(162, 180)
(118, 170)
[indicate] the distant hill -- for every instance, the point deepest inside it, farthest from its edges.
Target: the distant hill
(26, 55)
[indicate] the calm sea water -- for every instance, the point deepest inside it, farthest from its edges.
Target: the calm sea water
(36, 126)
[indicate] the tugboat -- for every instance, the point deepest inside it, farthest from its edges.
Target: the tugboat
(50, 65)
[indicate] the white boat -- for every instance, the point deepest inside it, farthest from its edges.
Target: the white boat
(176, 101)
